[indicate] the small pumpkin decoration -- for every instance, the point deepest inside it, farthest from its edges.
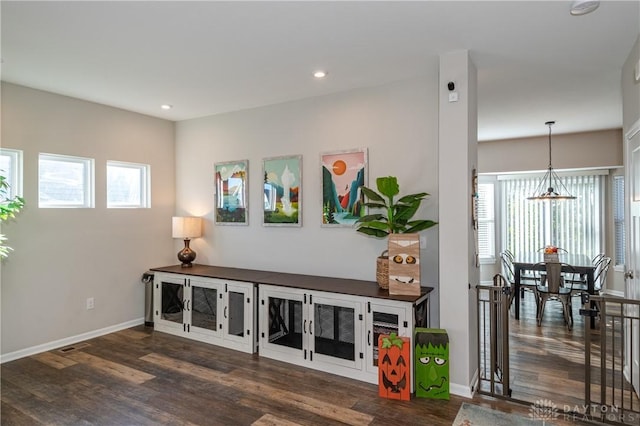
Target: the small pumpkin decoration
(394, 367)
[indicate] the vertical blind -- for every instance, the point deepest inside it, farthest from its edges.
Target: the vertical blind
(486, 221)
(575, 225)
(618, 218)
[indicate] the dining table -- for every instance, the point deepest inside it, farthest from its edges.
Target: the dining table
(574, 263)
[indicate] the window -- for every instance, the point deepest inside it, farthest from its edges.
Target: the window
(486, 222)
(65, 181)
(618, 219)
(127, 185)
(575, 225)
(11, 169)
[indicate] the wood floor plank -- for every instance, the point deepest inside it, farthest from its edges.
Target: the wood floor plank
(271, 420)
(115, 369)
(320, 408)
(54, 360)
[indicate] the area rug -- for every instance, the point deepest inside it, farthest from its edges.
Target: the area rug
(473, 415)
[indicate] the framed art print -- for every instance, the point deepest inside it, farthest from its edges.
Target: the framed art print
(343, 174)
(231, 192)
(282, 191)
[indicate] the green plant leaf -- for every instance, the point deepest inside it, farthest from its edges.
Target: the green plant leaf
(371, 217)
(420, 225)
(371, 194)
(376, 225)
(373, 232)
(412, 198)
(388, 186)
(406, 212)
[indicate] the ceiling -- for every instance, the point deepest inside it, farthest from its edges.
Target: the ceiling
(535, 61)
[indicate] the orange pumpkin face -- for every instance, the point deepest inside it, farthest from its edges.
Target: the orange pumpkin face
(394, 371)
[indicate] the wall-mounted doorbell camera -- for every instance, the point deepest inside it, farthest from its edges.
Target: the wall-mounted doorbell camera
(451, 85)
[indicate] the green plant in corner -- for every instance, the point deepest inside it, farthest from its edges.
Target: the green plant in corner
(398, 214)
(9, 207)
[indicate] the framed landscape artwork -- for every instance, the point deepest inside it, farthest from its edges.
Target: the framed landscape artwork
(282, 191)
(343, 174)
(231, 192)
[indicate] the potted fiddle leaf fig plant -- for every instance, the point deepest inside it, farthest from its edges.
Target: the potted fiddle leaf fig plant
(396, 217)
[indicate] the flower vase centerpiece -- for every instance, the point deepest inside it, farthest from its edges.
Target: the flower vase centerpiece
(396, 217)
(551, 254)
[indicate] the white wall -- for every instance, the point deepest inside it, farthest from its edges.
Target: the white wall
(396, 122)
(601, 149)
(457, 159)
(63, 256)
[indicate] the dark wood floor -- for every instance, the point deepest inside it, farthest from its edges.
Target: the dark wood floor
(141, 377)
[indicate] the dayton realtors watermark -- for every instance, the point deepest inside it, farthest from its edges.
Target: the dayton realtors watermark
(546, 410)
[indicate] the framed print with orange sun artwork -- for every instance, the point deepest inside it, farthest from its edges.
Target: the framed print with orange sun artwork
(343, 174)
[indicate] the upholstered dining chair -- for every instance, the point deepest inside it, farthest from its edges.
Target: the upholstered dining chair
(553, 287)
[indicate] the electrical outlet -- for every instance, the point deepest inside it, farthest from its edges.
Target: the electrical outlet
(90, 303)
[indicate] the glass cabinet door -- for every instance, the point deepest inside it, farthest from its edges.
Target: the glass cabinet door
(335, 331)
(234, 313)
(203, 306)
(382, 320)
(172, 299)
(282, 322)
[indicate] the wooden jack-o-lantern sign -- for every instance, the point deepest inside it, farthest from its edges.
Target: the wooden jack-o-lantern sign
(394, 367)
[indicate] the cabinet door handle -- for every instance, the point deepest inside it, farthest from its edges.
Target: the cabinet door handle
(310, 327)
(304, 327)
(369, 337)
(225, 311)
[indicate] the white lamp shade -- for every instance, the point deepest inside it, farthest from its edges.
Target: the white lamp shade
(186, 227)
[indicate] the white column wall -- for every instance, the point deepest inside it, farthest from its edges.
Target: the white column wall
(458, 270)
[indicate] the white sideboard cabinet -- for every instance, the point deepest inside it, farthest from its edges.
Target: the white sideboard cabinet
(324, 323)
(211, 310)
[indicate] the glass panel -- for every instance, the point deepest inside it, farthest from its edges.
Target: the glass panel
(334, 331)
(127, 184)
(383, 323)
(236, 314)
(204, 308)
(285, 322)
(172, 302)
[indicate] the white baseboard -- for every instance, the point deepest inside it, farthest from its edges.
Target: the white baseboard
(460, 390)
(11, 356)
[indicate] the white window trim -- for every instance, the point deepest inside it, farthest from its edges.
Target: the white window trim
(145, 185)
(89, 181)
(15, 179)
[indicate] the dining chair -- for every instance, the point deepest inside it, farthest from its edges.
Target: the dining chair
(527, 282)
(553, 287)
(599, 278)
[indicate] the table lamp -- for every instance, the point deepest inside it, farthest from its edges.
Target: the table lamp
(186, 228)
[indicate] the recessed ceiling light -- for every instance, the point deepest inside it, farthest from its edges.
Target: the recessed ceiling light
(166, 106)
(582, 7)
(320, 74)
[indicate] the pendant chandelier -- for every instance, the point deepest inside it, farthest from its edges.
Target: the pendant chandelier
(551, 187)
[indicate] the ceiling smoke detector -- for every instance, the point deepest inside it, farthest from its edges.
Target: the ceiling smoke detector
(582, 7)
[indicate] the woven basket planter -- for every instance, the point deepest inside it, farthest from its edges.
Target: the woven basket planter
(382, 270)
